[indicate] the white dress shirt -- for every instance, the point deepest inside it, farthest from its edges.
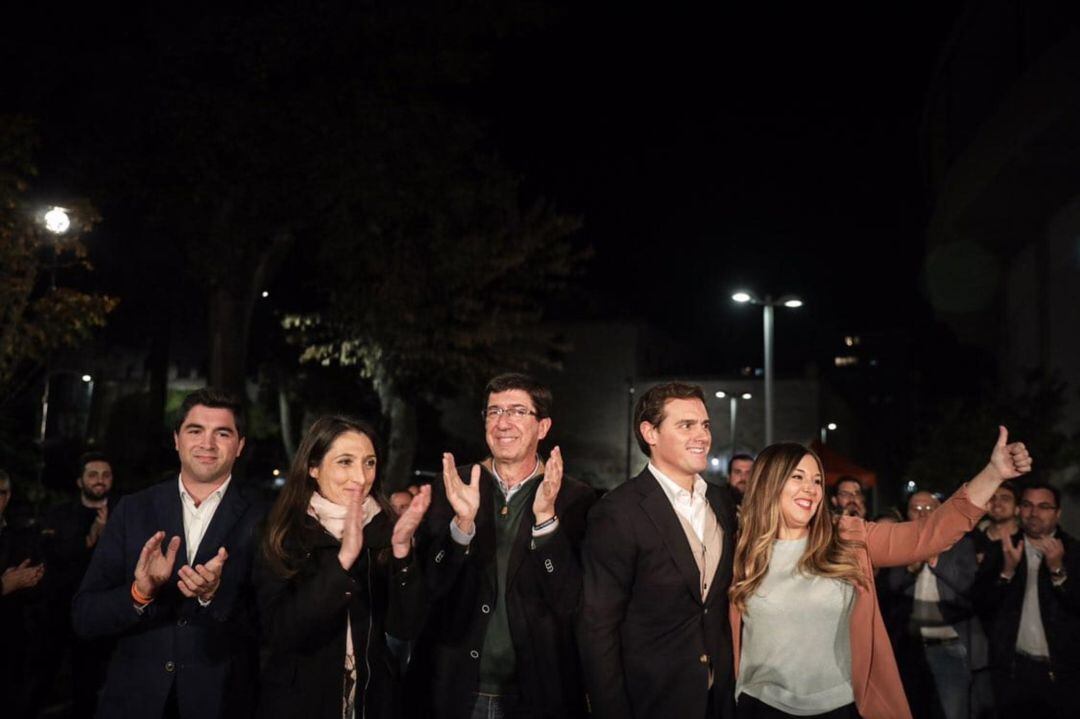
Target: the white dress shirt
(1031, 638)
(197, 519)
(691, 506)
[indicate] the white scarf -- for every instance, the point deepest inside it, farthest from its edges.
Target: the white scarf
(332, 515)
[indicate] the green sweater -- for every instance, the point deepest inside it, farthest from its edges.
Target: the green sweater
(498, 665)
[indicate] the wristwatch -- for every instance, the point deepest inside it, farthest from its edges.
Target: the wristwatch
(1058, 573)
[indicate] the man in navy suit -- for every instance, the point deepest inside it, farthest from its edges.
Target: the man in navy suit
(171, 580)
(654, 634)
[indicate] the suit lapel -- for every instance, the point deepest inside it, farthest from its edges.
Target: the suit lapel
(232, 507)
(659, 510)
(720, 503)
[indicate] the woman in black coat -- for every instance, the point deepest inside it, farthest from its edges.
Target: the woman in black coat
(336, 579)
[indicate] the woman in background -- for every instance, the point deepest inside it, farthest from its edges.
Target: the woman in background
(807, 630)
(336, 578)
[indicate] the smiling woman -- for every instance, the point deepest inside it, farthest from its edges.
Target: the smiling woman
(804, 579)
(336, 580)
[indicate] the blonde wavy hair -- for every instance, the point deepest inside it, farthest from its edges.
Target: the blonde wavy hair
(826, 555)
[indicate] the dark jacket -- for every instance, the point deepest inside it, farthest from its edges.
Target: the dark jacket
(208, 653)
(303, 624)
(955, 575)
(63, 542)
(543, 594)
(647, 639)
(1000, 603)
(16, 545)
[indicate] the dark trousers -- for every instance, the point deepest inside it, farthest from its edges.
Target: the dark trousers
(750, 708)
(1032, 688)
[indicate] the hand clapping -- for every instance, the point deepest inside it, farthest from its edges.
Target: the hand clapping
(544, 501)
(406, 525)
(464, 498)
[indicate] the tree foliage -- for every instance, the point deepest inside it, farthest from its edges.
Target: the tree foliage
(37, 316)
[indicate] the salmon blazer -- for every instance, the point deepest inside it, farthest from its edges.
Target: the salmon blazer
(874, 676)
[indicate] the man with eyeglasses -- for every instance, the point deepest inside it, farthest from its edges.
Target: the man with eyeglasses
(937, 642)
(504, 570)
(848, 499)
(1027, 587)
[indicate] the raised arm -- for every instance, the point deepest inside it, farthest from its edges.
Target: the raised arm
(1007, 461)
(892, 545)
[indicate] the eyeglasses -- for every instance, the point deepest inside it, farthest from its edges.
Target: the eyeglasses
(849, 495)
(924, 507)
(1042, 507)
(517, 411)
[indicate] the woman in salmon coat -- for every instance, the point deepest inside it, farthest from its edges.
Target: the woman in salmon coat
(808, 634)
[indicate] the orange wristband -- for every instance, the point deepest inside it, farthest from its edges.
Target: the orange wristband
(138, 596)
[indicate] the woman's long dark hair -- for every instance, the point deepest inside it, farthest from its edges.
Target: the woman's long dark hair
(288, 513)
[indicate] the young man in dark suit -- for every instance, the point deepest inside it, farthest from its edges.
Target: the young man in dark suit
(1027, 591)
(171, 580)
(655, 637)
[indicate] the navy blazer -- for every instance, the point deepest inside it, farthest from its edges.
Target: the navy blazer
(648, 639)
(208, 653)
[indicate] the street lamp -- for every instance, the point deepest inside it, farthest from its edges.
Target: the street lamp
(57, 221)
(734, 410)
(767, 304)
(830, 427)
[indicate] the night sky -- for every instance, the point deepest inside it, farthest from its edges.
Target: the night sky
(710, 150)
(705, 150)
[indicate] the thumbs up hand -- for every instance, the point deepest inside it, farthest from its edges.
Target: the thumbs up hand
(1009, 461)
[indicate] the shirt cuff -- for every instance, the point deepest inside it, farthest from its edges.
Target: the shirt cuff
(459, 536)
(204, 603)
(546, 530)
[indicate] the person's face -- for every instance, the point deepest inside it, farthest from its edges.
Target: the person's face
(514, 439)
(921, 504)
(400, 501)
(208, 444)
(849, 499)
(800, 498)
(347, 467)
(680, 443)
(1002, 505)
(96, 480)
(5, 496)
(740, 474)
(1039, 513)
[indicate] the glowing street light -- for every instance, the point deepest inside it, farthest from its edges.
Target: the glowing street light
(734, 397)
(767, 305)
(830, 427)
(57, 221)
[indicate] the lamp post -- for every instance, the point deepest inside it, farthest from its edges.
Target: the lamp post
(767, 304)
(57, 221)
(830, 427)
(734, 397)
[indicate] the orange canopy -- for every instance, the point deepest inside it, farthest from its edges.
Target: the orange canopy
(837, 466)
